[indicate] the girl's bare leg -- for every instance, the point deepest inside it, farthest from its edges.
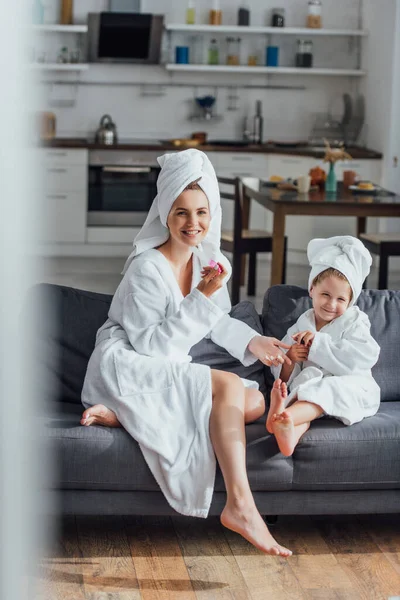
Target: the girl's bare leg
(276, 403)
(101, 415)
(292, 423)
(227, 433)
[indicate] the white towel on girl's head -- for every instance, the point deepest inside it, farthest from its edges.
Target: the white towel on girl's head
(178, 170)
(345, 253)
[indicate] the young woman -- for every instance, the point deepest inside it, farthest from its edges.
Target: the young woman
(182, 414)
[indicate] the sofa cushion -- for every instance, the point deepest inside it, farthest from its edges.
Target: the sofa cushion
(330, 456)
(67, 322)
(104, 458)
(283, 304)
(366, 455)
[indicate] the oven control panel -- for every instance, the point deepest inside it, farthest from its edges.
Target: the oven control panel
(128, 158)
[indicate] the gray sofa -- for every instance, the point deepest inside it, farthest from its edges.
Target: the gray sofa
(335, 469)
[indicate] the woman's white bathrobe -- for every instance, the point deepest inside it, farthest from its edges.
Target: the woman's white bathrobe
(141, 369)
(337, 375)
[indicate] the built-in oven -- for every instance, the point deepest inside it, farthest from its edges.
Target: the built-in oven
(122, 186)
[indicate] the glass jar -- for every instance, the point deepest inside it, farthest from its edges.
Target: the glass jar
(63, 55)
(196, 49)
(215, 14)
(314, 16)
(304, 54)
(278, 17)
(190, 13)
(213, 53)
(233, 51)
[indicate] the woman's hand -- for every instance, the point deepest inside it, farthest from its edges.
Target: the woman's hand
(267, 350)
(211, 279)
(304, 337)
(298, 353)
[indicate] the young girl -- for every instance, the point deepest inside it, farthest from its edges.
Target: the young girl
(332, 350)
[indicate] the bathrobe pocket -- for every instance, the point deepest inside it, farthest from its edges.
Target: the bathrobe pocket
(137, 374)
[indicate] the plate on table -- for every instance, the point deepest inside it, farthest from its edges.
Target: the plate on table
(357, 190)
(275, 182)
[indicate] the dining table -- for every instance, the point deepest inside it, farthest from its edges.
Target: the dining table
(344, 202)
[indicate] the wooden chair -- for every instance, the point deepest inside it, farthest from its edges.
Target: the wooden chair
(384, 245)
(242, 240)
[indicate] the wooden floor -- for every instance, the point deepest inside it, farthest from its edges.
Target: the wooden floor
(340, 558)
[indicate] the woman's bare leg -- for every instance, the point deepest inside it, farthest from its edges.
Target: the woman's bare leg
(227, 433)
(100, 415)
(254, 405)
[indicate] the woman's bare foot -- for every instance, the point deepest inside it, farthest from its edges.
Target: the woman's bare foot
(248, 522)
(100, 415)
(277, 402)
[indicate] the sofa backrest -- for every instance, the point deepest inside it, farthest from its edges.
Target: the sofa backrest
(283, 304)
(67, 323)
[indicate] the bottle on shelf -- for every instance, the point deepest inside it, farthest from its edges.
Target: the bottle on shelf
(244, 13)
(66, 12)
(258, 124)
(213, 53)
(37, 12)
(215, 16)
(190, 13)
(314, 16)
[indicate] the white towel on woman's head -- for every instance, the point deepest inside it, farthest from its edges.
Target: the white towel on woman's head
(178, 170)
(345, 253)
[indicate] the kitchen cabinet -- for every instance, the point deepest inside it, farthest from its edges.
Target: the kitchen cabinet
(64, 195)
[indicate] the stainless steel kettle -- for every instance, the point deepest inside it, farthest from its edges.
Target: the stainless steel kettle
(107, 132)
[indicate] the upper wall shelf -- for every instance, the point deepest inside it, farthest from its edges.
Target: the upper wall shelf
(59, 66)
(265, 70)
(60, 28)
(267, 30)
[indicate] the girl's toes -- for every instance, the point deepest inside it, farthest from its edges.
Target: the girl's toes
(277, 384)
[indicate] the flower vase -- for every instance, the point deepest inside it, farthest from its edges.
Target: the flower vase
(331, 181)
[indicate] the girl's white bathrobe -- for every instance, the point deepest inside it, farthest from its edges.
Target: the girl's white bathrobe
(337, 375)
(141, 369)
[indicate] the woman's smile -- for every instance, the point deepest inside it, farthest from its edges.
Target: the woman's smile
(191, 232)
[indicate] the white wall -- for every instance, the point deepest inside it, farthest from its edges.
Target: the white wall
(382, 91)
(288, 114)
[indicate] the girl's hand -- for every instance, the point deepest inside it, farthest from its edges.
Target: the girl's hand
(304, 337)
(212, 281)
(298, 353)
(267, 350)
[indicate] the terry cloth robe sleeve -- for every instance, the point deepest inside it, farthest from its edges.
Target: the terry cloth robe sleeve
(232, 334)
(150, 332)
(276, 371)
(356, 351)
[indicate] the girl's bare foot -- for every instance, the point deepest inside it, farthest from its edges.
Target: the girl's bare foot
(283, 428)
(277, 402)
(100, 415)
(248, 522)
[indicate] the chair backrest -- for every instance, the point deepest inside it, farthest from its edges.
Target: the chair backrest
(241, 210)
